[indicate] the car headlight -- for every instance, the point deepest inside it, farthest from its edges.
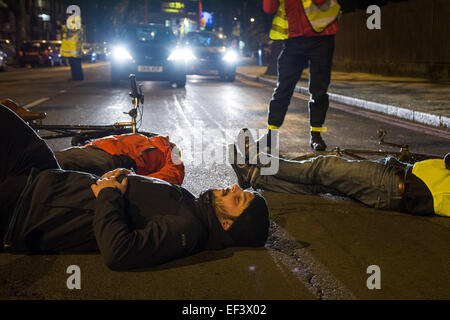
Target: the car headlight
(231, 56)
(121, 54)
(181, 55)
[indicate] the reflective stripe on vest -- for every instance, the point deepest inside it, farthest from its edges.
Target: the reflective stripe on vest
(321, 16)
(71, 44)
(70, 48)
(280, 26)
(437, 178)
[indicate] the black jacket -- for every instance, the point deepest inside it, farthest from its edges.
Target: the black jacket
(153, 222)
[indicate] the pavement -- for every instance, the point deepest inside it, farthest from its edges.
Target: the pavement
(415, 99)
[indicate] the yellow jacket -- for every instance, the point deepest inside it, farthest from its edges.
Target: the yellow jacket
(72, 43)
(437, 178)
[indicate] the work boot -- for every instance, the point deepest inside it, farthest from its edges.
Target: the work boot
(316, 142)
(244, 172)
(26, 115)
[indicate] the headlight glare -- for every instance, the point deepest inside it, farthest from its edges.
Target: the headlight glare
(181, 55)
(231, 56)
(120, 53)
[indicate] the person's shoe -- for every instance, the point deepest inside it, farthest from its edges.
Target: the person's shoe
(26, 115)
(316, 142)
(244, 171)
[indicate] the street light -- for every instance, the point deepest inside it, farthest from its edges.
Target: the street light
(252, 19)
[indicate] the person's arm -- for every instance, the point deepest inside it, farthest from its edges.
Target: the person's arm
(170, 171)
(270, 6)
(123, 247)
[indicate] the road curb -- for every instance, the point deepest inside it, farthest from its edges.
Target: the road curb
(399, 112)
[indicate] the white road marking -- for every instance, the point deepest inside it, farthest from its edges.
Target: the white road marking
(35, 103)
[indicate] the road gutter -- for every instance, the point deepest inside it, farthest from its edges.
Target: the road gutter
(398, 112)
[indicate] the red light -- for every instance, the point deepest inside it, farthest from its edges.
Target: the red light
(20, 53)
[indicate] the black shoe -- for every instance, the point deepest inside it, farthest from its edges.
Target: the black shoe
(316, 142)
(243, 171)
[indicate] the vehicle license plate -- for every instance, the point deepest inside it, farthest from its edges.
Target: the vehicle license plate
(210, 72)
(150, 69)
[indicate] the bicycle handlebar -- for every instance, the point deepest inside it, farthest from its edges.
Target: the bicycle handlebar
(134, 91)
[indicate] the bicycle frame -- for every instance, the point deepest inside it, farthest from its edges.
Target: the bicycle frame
(403, 154)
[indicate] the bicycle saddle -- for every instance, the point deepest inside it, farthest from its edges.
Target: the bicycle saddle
(26, 115)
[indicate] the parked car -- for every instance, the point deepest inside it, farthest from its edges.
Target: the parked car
(89, 51)
(3, 61)
(40, 52)
(212, 55)
(7, 46)
(150, 52)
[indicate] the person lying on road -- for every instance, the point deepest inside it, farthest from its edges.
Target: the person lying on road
(148, 156)
(388, 184)
(134, 221)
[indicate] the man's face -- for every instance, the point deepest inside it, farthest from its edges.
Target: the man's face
(234, 199)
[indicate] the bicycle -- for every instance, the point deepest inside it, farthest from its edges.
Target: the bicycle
(403, 155)
(81, 134)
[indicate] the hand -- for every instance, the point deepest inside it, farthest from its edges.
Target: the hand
(109, 183)
(117, 172)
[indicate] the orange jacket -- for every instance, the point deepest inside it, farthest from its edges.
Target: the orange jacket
(153, 156)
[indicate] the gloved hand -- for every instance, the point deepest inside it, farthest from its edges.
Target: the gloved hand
(447, 161)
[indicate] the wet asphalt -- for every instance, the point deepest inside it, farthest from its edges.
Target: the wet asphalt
(319, 246)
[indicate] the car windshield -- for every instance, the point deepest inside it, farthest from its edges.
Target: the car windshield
(204, 39)
(148, 34)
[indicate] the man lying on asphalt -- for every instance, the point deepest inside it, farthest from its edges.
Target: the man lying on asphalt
(147, 156)
(134, 221)
(419, 189)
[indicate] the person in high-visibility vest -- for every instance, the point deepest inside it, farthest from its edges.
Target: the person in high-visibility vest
(71, 48)
(308, 28)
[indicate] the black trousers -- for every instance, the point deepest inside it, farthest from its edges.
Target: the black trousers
(297, 54)
(76, 69)
(21, 150)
